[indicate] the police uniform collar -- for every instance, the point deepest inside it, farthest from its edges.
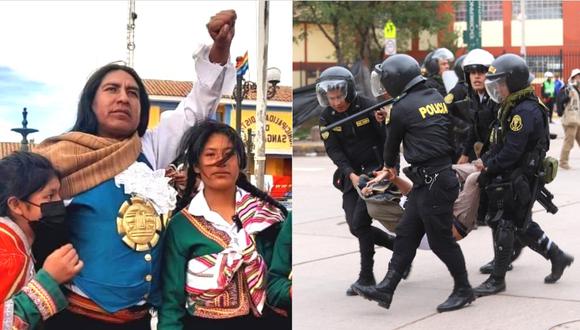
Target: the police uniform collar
(482, 97)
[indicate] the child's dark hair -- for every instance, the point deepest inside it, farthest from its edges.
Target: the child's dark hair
(21, 175)
(191, 147)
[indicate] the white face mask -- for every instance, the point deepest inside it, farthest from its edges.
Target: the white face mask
(494, 89)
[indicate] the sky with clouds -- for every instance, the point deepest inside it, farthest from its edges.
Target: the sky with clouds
(50, 48)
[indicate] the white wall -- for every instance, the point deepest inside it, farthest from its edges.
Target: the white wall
(539, 32)
(491, 33)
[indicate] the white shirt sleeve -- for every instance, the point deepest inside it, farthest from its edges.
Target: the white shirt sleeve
(160, 144)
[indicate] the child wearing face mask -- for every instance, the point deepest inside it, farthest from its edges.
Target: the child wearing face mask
(29, 202)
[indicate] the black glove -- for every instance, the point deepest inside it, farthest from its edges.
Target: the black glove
(484, 179)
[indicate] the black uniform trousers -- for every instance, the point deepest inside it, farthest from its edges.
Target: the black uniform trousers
(533, 237)
(429, 210)
(359, 223)
(515, 211)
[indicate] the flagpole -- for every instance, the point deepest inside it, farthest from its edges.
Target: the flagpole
(261, 93)
(241, 68)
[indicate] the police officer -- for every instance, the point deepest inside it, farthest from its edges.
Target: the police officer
(355, 148)
(420, 119)
(436, 63)
(482, 109)
(520, 140)
(458, 106)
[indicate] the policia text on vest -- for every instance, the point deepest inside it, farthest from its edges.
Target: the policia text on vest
(433, 109)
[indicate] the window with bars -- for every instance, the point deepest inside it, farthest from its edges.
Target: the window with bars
(491, 10)
(538, 9)
(539, 64)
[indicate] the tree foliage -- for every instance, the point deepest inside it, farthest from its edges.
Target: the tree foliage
(355, 28)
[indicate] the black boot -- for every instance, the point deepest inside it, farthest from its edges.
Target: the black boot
(366, 276)
(458, 298)
(361, 282)
(560, 260)
(503, 249)
(407, 272)
(490, 286)
(488, 267)
(383, 292)
(382, 238)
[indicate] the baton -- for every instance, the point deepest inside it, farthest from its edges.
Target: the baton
(362, 112)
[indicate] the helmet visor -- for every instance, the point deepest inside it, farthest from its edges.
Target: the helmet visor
(331, 90)
(444, 54)
(376, 85)
(497, 89)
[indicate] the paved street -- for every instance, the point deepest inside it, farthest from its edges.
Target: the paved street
(326, 262)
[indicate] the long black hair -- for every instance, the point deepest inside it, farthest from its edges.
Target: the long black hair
(86, 118)
(191, 147)
(21, 175)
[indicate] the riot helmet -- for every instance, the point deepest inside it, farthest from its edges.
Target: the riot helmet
(477, 60)
(335, 78)
(433, 58)
(507, 74)
(427, 59)
(395, 75)
(458, 67)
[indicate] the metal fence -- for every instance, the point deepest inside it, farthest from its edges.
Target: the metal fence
(558, 62)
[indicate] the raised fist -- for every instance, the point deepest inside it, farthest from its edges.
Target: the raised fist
(221, 28)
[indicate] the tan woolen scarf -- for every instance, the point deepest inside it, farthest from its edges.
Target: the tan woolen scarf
(85, 160)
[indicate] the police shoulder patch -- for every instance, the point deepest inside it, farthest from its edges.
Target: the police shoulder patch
(324, 135)
(362, 122)
(449, 98)
(516, 124)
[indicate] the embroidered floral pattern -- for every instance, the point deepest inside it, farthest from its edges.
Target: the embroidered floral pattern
(41, 298)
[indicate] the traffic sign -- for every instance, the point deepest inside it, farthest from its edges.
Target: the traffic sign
(390, 31)
(390, 46)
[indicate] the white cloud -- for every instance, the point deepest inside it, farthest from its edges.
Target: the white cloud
(61, 43)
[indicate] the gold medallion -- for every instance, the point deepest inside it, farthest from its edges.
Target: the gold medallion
(139, 224)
